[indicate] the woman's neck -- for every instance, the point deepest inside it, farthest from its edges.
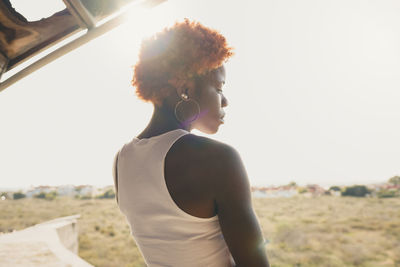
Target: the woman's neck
(163, 120)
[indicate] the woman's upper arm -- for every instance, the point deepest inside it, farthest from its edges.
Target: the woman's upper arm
(238, 221)
(115, 175)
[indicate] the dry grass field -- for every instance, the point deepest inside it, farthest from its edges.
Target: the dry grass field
(324, 231)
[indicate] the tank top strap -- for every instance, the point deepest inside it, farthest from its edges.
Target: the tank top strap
(165, 141)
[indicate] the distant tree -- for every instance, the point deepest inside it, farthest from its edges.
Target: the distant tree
(302, 190)
(292, 183)
(49, 196)
(394, 180)
(335, 188)
(387, 193)
(108, 194)
(356, 191)
(18, 195)
(40, 195)
(83, 197)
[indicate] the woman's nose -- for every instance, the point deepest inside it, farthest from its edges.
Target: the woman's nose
(224, 101)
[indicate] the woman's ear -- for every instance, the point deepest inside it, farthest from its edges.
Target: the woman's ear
(180, 91)
(190, 89)
(183, 86)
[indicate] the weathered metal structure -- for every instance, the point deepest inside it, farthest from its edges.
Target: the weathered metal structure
(21, 39)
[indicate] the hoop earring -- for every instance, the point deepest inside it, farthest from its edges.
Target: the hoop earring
(186, 99)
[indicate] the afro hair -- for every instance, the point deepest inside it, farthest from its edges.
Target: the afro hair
(175, 56)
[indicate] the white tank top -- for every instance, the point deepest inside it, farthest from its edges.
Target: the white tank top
(165, 234)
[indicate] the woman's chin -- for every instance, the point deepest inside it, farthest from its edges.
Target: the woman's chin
(215, 129)
(211, 128)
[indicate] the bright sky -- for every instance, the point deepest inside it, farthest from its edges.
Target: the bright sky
(313, 95)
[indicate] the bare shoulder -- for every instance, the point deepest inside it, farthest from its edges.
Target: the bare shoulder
(215, 160)
(208, 147)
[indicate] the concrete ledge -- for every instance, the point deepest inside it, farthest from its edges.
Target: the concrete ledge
(52, 243)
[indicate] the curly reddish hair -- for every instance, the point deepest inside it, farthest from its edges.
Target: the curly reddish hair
(175, 56)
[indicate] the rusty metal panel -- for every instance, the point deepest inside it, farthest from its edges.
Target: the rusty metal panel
(20, 39)
(3, 64)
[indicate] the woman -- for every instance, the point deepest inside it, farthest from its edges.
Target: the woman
(186, 197)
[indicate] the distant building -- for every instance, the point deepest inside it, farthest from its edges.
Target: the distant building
(315, 190)
(87, 190)
(335, 193)
(39, 189)
(66, 190)
(376, 188)
(259, 194)
(274, 192)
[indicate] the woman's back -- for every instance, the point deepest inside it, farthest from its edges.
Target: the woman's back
(157, 201)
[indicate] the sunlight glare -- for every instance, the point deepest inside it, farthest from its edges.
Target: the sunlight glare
(143, 22)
